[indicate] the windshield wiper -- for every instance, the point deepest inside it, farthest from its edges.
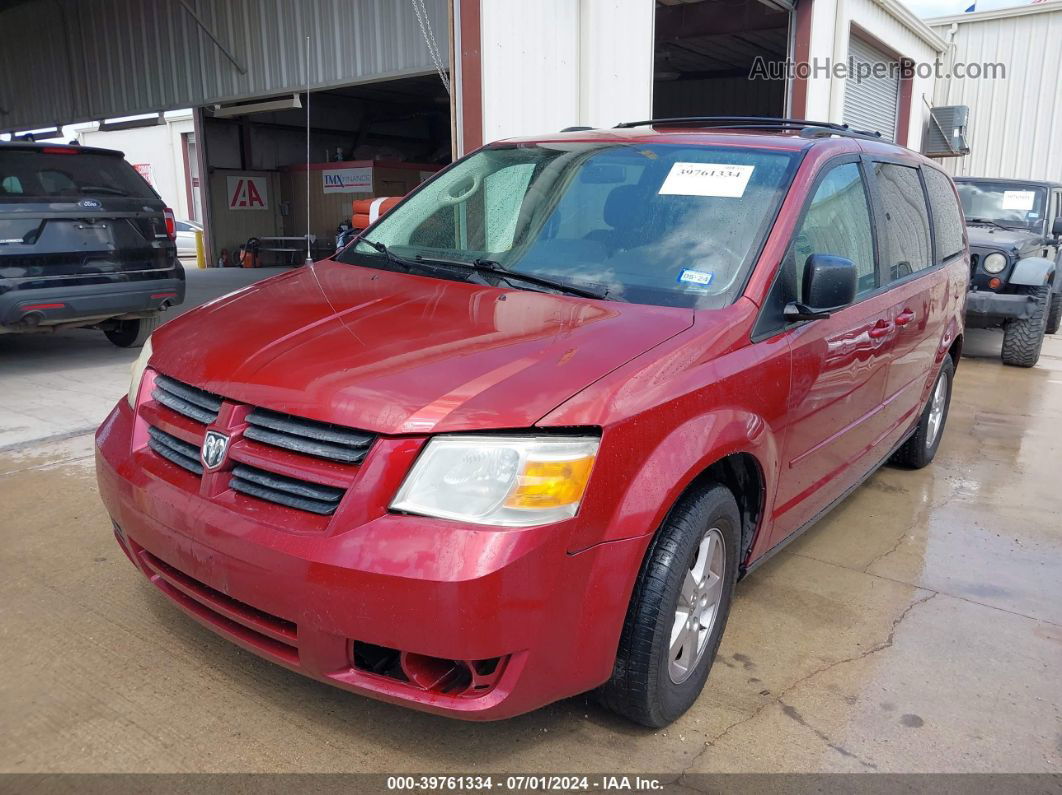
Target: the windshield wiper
(393, 258)
(494, 267)
(101, 189)
(987, 221)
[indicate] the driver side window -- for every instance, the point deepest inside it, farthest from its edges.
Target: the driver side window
(837, 222)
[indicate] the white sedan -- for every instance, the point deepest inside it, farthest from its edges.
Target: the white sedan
(186, 237)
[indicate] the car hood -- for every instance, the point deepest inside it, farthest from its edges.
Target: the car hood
(397, 353)
(1003, 239)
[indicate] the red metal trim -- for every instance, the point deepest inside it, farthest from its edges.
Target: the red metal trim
(798, 90)
(30, 307)
(471, 77)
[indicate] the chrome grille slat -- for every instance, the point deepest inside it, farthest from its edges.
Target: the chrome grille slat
(308, 436)
(196, 403)
(176, 451)
(285, 491)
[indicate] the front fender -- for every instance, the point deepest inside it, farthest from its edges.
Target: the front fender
(686, 451)
(1032, 272)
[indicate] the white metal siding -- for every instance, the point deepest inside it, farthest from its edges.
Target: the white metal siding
(871, 103)
(66, 60)
(1015, 122)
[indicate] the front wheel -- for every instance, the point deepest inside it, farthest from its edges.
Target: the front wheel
(678, 611)
(133, 333)
(919, 450)
(1022, 339)
(1054, 316)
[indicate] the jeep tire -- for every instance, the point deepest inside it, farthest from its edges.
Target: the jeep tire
(668, 643)
(1054, 314)
(1022, 339)
(133, 333)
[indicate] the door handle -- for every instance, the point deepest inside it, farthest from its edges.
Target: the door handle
(905, 317)
(880, 329)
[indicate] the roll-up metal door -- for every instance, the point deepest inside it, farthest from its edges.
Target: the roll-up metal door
(871, 103)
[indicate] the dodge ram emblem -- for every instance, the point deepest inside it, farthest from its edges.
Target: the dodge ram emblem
(214, 446)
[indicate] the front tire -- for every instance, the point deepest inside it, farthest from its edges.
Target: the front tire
(1054, 316)
(919, 450)
(133, 333)
(1022, 339)
(678, 610)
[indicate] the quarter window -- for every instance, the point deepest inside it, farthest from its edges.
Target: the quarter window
(947, 220)
(905, 220)
(837, 222)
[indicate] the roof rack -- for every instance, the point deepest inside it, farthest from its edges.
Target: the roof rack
(808, 129)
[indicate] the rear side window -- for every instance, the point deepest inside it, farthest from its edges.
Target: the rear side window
(905, 221)
(33, 174)
(837, 222)
(947, 220)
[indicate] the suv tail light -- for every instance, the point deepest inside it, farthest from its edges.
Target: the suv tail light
(171, 224)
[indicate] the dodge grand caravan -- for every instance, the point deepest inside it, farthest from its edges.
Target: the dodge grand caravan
(521, 437)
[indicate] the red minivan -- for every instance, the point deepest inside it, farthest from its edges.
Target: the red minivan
(521, 438)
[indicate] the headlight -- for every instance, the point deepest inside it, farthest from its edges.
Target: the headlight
(137, 370)
(508, 481)
(994, 263)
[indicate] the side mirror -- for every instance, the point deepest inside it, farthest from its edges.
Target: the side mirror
(1056, 227)
(829, 283)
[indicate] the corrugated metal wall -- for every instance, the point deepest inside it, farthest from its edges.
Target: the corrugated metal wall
(63, 61)
(1015, 127)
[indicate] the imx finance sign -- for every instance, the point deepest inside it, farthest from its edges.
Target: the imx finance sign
(248, 193)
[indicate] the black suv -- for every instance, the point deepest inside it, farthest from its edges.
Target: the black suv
(84, 241)
(1014, 228)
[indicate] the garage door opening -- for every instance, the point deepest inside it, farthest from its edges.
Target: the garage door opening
(705, 50)
(367, 140)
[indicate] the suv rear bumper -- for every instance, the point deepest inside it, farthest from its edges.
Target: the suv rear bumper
(49, 306)
(1004, 306)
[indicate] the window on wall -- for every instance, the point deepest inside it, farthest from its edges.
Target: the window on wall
(905, 220)
(837, 222)
(947, 220)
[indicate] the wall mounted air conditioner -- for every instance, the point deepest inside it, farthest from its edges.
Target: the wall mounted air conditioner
(946, 136)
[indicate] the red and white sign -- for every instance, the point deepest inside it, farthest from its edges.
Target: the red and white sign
(347, 180)
(248, 193)
(144, 170)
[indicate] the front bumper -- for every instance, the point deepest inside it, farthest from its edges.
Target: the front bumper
(427, 587)
(1004, 306)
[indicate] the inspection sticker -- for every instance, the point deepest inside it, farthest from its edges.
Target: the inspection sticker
(1018, 199)
(707, 179)
(700, 278)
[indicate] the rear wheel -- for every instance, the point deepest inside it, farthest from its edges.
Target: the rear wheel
(1022, 339)
(920, 449)
(678, 611)
(133, 333)
(1054, 315)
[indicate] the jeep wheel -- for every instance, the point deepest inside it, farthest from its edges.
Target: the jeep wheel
(1022, 339)
(919, 450)
(1054, 315)
(133, 333)
(678, 610)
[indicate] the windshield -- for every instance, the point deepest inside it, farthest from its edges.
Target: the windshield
(1014, 205)
(659, 224)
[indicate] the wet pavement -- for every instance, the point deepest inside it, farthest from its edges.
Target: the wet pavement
(917, 628)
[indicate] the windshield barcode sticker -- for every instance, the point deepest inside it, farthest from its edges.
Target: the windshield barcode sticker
(707, 179)
(1018, 199)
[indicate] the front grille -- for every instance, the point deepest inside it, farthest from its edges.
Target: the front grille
(308, 437)
(305, 451)
(287, 491)
(198, 404)
(174, 450)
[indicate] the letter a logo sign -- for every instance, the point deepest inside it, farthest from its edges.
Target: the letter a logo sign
(248, 193)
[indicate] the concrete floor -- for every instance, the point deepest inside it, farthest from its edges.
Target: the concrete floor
(918, 628)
